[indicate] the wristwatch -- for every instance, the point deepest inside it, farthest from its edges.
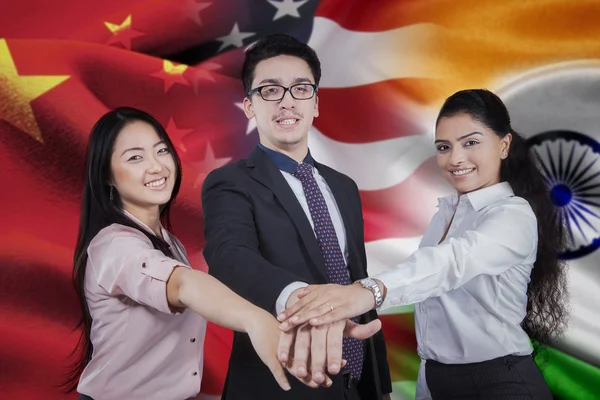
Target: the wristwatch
(369, 283)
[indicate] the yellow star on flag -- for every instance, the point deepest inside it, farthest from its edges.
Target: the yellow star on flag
(172, 73)
(122, 33)
(17, 92)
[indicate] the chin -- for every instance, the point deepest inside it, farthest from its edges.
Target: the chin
(464, 187)
(161, 200)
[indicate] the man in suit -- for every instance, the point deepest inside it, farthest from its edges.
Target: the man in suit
(278, 221)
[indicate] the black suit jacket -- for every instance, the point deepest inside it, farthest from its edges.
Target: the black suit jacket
(258, 241)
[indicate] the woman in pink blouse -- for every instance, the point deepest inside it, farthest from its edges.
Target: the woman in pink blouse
(144, 308)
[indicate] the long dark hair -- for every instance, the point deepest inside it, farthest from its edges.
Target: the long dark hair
(101, 206)
(547, 291)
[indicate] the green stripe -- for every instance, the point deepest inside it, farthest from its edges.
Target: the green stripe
(570, 378)
(404, 390)
(398, 310)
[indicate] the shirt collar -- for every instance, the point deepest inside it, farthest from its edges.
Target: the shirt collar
(143, 225)
(283, 162)
(481, 198)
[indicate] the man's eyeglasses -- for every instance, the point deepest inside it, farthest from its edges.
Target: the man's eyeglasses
(299, 91)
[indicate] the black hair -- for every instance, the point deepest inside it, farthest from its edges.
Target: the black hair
(277, 45)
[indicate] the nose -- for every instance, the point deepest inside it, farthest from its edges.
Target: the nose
(457, 156)
(154, 165)
(287, 101)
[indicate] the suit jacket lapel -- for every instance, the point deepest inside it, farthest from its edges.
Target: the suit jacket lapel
(340, 193)
(266, 173)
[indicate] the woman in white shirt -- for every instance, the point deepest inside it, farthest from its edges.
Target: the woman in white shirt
(486, 278)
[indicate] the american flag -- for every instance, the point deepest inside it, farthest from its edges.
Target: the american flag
(387, 66)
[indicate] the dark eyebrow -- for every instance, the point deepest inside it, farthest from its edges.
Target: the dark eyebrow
(141, 148)
(270, 80)
(460, 138)
(278, 82)
(302, 80)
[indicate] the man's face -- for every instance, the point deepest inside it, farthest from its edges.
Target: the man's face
(282, 125)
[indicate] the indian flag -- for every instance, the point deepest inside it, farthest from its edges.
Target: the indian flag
(543, 59)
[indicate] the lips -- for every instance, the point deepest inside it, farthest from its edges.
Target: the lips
(156, 183)
(287, 121)
(462, 171)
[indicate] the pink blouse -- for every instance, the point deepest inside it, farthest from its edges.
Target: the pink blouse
(142, 349)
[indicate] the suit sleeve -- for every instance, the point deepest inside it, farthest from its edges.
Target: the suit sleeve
(378, 339)
(232, 247)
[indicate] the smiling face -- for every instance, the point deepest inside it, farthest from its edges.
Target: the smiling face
(282, 125)
(469, 153)
(143, 169)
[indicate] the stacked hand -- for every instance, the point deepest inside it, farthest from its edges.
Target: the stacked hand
(325, 304)
(311, 352)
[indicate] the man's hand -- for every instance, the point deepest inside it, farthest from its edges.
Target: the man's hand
(325, 304)
(293, 298)
(320, 348)
(294, 360)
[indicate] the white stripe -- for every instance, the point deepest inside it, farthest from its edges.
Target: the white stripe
(374, 165)
(370, 57)
(385, 254)
(388, 253)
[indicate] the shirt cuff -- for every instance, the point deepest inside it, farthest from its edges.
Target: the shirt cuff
(392, 298)
(285, 295)
(159, 270)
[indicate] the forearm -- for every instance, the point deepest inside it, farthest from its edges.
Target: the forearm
(249, 275)
(211, 299)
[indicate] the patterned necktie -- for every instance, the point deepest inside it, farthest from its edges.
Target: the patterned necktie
(337, 272)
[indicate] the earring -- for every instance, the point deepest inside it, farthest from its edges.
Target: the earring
(504, 155)
(110, 195)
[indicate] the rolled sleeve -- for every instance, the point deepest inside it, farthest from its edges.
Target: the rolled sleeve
(125, 263)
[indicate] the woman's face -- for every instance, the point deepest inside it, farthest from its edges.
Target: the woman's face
(469, 153)
(143, 168)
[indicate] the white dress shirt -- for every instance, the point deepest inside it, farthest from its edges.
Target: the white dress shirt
(470, 291)
(336, 218)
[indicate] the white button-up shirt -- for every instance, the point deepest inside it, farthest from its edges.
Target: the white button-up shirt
(470, 290)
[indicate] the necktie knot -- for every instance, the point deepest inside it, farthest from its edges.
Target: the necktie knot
(303, 171)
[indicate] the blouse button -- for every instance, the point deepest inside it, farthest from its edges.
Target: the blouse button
(192, 340)
(194, 373)
(143, 265)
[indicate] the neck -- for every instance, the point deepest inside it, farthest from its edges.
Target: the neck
(150, 216)
(297, 151)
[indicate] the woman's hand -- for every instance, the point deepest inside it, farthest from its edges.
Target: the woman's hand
(264, 335)
(324, 304)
